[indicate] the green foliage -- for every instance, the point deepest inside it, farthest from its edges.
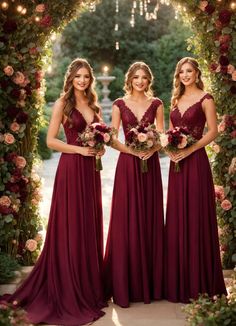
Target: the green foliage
(11, 315)
(8, 266)
(218, 311)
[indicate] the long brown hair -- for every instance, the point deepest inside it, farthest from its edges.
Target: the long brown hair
(178, 87)
(130, 75)
(68, 90)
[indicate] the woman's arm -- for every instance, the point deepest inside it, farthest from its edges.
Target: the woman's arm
(160, 118)
(54, 143)
(209, 109)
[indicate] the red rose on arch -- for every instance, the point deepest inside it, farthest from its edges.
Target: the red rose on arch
(224, 61)
(22, 117)
(224, 70)
(9, 26)
(209, 9)
(12, 111)
(213, 67)
(46, 21)
(15, 93)
(233, 90)
(225, 38)
(224, 48)
(225, 16)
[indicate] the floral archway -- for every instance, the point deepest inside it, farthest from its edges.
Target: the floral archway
(25, 33)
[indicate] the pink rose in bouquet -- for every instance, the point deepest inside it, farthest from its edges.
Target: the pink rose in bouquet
(142, 137)
(176, 139)
(96, 136)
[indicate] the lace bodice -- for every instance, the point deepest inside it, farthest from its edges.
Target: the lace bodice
(129, 119)
(78, 126)
(193, 118)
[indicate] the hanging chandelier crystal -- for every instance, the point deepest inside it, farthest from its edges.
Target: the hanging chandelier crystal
(146, 8)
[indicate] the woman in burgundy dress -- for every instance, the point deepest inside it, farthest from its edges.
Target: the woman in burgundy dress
(64, 288)
(192, 264)
(133, 259)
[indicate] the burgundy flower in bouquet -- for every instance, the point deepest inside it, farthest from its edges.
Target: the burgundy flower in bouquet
(176, 139)
(142, 137)
(96, 136)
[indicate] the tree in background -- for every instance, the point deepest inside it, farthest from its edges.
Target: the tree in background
(160, 43)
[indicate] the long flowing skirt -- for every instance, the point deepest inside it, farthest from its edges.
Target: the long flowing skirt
(192, 260)
(134, 252)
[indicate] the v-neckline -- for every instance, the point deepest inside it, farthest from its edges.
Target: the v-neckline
(183, 113)
(136, 118)
(84, 117)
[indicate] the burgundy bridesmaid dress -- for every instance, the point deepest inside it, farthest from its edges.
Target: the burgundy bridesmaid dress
(192, 258)
(133, 260)
(65, 288)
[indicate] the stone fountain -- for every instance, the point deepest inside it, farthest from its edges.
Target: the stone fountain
(106, 103)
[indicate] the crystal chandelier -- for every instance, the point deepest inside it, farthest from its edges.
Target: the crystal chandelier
(146, 8)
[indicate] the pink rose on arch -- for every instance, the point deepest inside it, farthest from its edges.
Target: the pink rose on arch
(202, 5)
(232, 167)
(142, 137)
(8, 70)
(219, 192)
(15, 127)
(218, 68)
(234, 75)
(233, 134)
(31, 245)
(40, 8)
(25, 82)
(215, 147)
(183, 143)
(20, 104)
(5, 201)
(230, 69)
(20, 162)
(39, 75)
(18, 78)
(222, 126)
(226, 205)
(9, 138)
(33, 51)
(38, 237)
(106, 137)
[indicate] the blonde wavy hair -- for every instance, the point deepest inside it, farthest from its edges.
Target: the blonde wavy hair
(131, 73)
(68, 95)
(178, 87)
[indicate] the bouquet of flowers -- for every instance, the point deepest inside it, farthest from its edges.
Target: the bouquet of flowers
(142, 137)
(96, 136)
(176, 139)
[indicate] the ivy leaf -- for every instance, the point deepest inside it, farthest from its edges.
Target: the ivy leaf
(8, 218)
(227, 30)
